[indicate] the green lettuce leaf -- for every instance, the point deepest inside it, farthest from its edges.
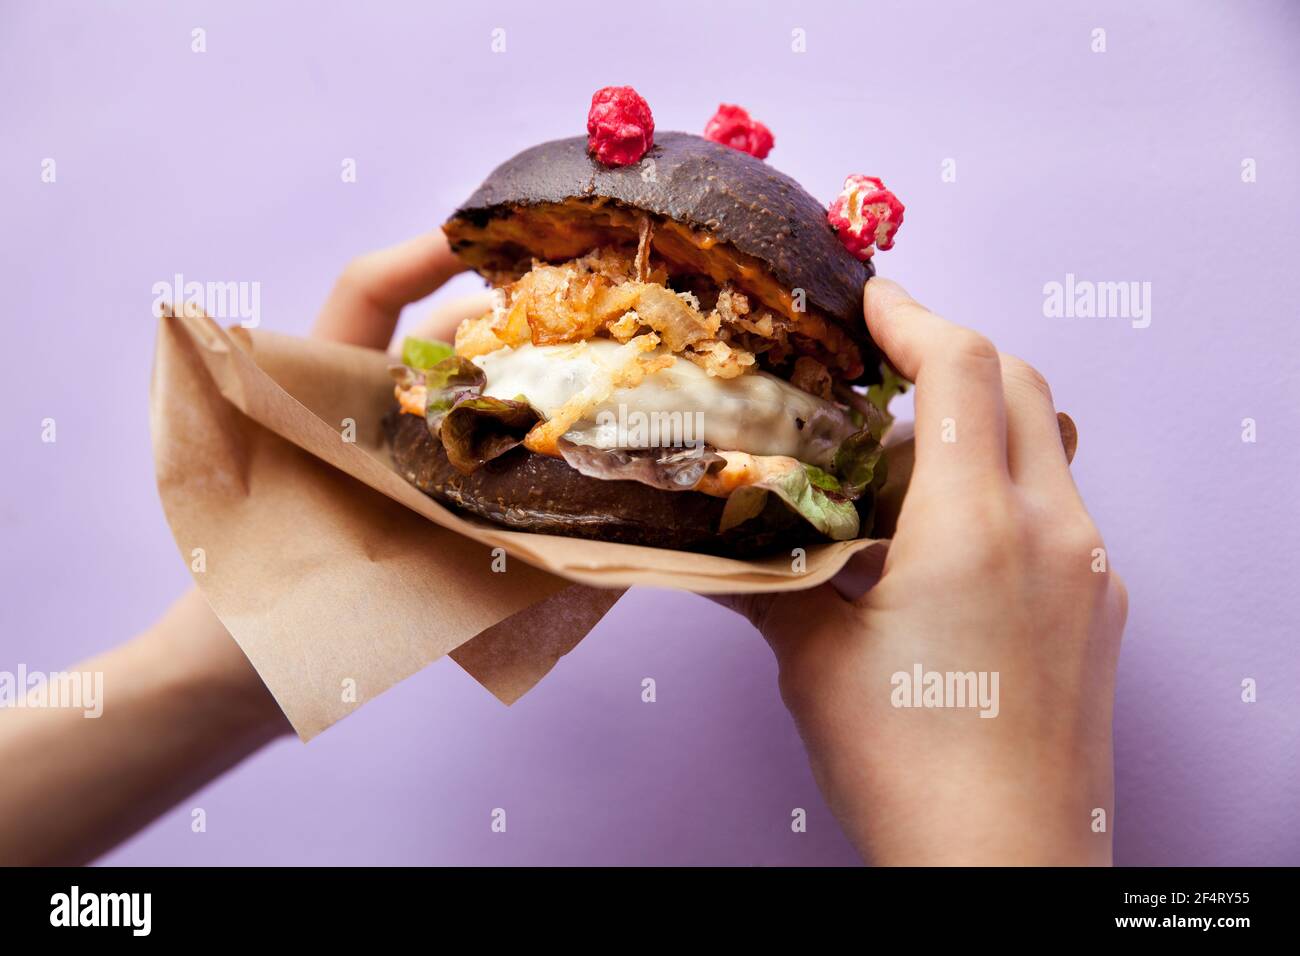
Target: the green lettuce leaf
(891, 384)
(860, 463)
(448, 382)
(811, 492)
(473, 428)
(424, 353)
(479, 428)
(824, 500)
(871, 411)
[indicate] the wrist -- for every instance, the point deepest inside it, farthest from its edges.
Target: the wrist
(925, 831)
(206, 673)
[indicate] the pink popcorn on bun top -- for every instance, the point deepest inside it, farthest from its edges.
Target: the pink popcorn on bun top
(865, 216)
(733, 126)
(620, 127)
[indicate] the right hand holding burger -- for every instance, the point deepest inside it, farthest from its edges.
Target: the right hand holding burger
(995, 566)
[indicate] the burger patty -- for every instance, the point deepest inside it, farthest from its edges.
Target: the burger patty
(526, 491)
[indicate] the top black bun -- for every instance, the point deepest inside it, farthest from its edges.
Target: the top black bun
(733, 198)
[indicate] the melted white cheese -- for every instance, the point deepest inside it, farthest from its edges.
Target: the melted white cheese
(756, 413)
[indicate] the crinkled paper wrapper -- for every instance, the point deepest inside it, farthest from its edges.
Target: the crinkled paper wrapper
(337, 578)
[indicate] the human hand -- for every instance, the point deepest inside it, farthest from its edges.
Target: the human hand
(181, 702)
(995, 567)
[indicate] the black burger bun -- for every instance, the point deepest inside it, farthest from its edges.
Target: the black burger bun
(554, 201)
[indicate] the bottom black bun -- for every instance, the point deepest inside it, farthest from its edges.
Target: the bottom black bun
(525, 491)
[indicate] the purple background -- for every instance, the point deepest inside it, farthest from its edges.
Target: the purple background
(1116, 166)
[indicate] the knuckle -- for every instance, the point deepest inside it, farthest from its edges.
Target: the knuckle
(1081, 534)
(1075, 545)
(1025, 375)
(354, 272)
(360, 281)
(970, 347)
(357, 276)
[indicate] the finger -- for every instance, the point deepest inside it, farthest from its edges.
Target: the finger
(1036, 456)
(783, 618)
(861, 573)
(441, 323)
(369, 295)
(960, 418)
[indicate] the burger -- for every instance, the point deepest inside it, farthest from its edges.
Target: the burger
(675, 354)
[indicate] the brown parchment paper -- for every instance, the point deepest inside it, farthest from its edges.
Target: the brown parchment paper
(280, 492)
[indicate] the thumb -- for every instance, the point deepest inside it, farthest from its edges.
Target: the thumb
(782, 618)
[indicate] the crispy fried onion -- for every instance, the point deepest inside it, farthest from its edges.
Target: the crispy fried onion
(720, 359)
(608, 293)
